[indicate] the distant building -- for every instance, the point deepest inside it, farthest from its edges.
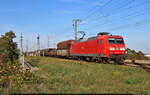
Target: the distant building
(147, 55)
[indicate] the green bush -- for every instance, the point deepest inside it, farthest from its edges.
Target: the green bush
(133, 55)
(8, 48)
(13, 78)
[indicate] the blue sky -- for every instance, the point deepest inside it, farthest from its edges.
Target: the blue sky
(129, 18)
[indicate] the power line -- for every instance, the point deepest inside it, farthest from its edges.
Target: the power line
(108, 15)
(121, 11)
(133, 15)
(137, 13)
(97, 10)
(139, 23)
(92, 10)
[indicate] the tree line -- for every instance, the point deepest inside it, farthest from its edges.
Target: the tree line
(133, 55)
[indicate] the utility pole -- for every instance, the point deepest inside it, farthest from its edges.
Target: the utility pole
(75, 24)
(34, 49)
(27, 45)
(38, 45)
(48, 41)
(21, 51)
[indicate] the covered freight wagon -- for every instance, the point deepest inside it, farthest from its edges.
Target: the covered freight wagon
(64, 44)
(63, 48)
(48, 52)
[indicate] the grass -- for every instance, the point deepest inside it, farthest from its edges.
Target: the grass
(71, 76)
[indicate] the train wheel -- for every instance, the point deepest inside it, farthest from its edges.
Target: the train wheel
(96, 60)
(89, 59)
(109, 61)
(112, 62)
(119, 61)
(79, 59)
(100, 60)
(122, 62)
(105, 61)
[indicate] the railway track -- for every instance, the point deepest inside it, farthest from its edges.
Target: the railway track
(137, 63)
(145, 66)
(29, 66)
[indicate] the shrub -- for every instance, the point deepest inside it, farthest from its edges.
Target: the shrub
(13, 78)
(133, 55)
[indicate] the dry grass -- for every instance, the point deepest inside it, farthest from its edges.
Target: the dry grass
(70, 76)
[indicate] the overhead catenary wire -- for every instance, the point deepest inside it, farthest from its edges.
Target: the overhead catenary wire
(122, 11)
(88, 16)
(138, 23)
(99, 18)
(133, 15)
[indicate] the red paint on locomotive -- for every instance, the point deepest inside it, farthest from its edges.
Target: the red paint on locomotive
(99, 46)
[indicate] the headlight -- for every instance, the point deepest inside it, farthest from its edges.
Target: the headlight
(122, 49)
(112, 48)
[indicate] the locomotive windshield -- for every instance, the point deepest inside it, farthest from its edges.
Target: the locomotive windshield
(116, 41)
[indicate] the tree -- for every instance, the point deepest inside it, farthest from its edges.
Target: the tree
(8, 48)
(133, 55)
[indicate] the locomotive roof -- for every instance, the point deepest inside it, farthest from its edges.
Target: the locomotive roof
(87, 39)
(94, 38)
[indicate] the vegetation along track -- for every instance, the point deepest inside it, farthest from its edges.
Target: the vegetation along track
(133, 63)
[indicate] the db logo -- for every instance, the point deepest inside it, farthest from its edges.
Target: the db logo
(117, 48)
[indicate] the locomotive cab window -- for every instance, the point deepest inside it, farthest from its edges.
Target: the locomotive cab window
(111, 40)
(116, 41)
(119, 41)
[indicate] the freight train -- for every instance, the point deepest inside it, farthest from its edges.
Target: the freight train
(104, 48)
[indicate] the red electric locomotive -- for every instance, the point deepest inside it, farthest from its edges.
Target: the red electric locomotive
(104, 47)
